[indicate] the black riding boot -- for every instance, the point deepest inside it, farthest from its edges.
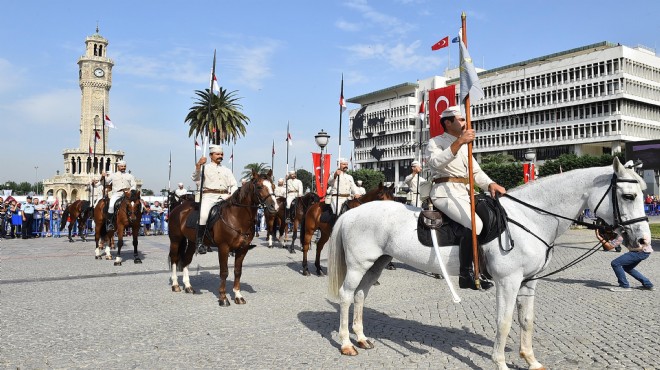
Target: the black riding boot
(201, 249)
(466, 272)
(110, 222)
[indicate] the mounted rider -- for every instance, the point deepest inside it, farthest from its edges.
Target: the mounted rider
(280, 189)
(414, 182)
(294, 189)
(448, 160)
(180, 191)
(219, 183)
(95, 191)
(121, 183)
(342, 187)
(360, 190)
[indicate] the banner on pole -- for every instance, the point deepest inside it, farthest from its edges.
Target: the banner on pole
(321, 186)
(439, 100)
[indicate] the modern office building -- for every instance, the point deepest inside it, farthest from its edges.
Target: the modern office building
(588, 100)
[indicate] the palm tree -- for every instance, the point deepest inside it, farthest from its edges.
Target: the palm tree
(258, 167)
(224, 124)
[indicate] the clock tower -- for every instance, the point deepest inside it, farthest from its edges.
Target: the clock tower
(92, 157)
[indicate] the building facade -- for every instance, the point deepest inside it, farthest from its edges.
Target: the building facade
(588, 100)
(92, 156)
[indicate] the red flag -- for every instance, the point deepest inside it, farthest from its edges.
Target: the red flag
(441, 44)
(321, 184)
(215, 87)
(422, 111)
(342, 102)
(97, 136)
(108, 122)
(439, 100)
(288, 138)
(197, 145)
(90, 149)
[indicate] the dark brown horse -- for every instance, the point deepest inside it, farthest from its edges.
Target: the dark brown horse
(313, 222)
(230, 227)
(275, 222)
(299, 207)
(79, 212)
(128, 214)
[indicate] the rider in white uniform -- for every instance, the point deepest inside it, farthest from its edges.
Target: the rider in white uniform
(280, 189)
(121, 183)
(219, 184)
(294, 189)
(342, 187)
(448, 160)
(414, 182)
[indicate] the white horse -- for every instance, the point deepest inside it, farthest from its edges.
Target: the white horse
(365, 239)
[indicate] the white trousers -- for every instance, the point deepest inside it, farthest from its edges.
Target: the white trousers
(336, 208)
(208, 200)
(458, 209)
(113, 200)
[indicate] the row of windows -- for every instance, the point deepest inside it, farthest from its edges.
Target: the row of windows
(567, 75)
(574, 93)
(91, 165)
(641, 70)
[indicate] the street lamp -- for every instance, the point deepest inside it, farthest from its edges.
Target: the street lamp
(322, 139)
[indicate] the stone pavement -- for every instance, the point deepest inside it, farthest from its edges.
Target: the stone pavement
(61, 308)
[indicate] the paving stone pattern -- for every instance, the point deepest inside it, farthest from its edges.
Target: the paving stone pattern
(61, 308)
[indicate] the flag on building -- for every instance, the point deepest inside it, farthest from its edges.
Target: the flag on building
(470, 84)
(441, 44)
(439, 100)
(108, 122)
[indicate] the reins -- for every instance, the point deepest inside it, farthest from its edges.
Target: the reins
(599, 224)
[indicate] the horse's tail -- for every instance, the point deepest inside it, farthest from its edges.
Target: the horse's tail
(336, 261)
(65, 215)
(85, 209)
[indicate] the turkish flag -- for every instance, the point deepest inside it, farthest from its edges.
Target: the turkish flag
(441, 44)
(439, 100)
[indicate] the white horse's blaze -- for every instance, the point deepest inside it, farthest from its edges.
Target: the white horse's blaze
(363, 235)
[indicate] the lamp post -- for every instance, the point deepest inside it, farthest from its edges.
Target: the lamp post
(530, 156)
(322, 139)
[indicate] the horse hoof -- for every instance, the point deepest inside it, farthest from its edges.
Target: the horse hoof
(292, 251)
(239, 300)
(320, 273)
(97, 257)
(376, 283)
(117, 263)
(137, 261)
(365, 344)
(391, 266)
(70, 240)
(349, 350)
(176, 288)
(108, 258)
(224, 302)
(190, 290)
(305, 272)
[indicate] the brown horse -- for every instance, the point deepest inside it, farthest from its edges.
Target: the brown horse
(128, 214)
(275, 222)
(79, 211)
(299, 207)
(313, 222)
(230, 227)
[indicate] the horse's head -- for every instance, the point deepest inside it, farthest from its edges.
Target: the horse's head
(133, 206)
(622, 206)
(263, 190)
(382, 192)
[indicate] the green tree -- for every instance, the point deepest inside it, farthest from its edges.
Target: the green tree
(306, 178)
(258, 167)
(370, 178)
(23, 188)
(567, 162)
(508, 175)
(147, 192)
(497, 158)
(224, 123)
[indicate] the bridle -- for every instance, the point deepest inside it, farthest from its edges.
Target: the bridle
(262, 203)
(601, 225)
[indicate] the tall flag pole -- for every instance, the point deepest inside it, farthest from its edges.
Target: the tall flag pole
(465, 64)
(211, 94)
(232, 158)
(272, 160)
(422, 115)
(103, 159)
(342, 108)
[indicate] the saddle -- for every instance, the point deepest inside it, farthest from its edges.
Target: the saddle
(214, 215)
(449, 232)
(327, 216)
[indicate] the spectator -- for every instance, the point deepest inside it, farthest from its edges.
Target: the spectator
(27, 209)
(157, 217)
(56, 218)
(146, 217)
(627, 262)
(3, 218)
(14, 217)
(38, 223)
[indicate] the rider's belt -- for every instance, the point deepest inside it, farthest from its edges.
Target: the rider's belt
(213, 191)
(342, 195)
(294, 191)
(461, 180)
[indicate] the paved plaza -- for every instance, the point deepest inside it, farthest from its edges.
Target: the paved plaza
(61, 308)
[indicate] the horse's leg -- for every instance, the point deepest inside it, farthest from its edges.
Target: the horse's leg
(136, 258)
(187, 257)
(83, 230)
(120, 244)
(223, 257)
(70, 227)
(526, 320)
(97, 248)
(238, 271)
(361, 294)
(175, 279)
(506, 292)
(294, 235)
(325, 235)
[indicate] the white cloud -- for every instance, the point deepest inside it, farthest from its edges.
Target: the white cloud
(10, 76)
(400, 55)
(55, 109)
(347, 26)
(390, 24)
(253, 63)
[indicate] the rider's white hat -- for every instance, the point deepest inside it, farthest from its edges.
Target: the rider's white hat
(121, 163)
(416, 163)
(215, 149)
(452, 111)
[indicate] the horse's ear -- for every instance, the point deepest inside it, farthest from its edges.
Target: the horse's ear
(270, 174)
(618, 167)
(380, 185)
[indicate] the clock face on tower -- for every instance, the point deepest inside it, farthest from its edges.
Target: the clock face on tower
(98, 72)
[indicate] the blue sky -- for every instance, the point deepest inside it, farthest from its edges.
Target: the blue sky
(284, 58)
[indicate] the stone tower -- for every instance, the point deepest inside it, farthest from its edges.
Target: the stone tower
(92, 156)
